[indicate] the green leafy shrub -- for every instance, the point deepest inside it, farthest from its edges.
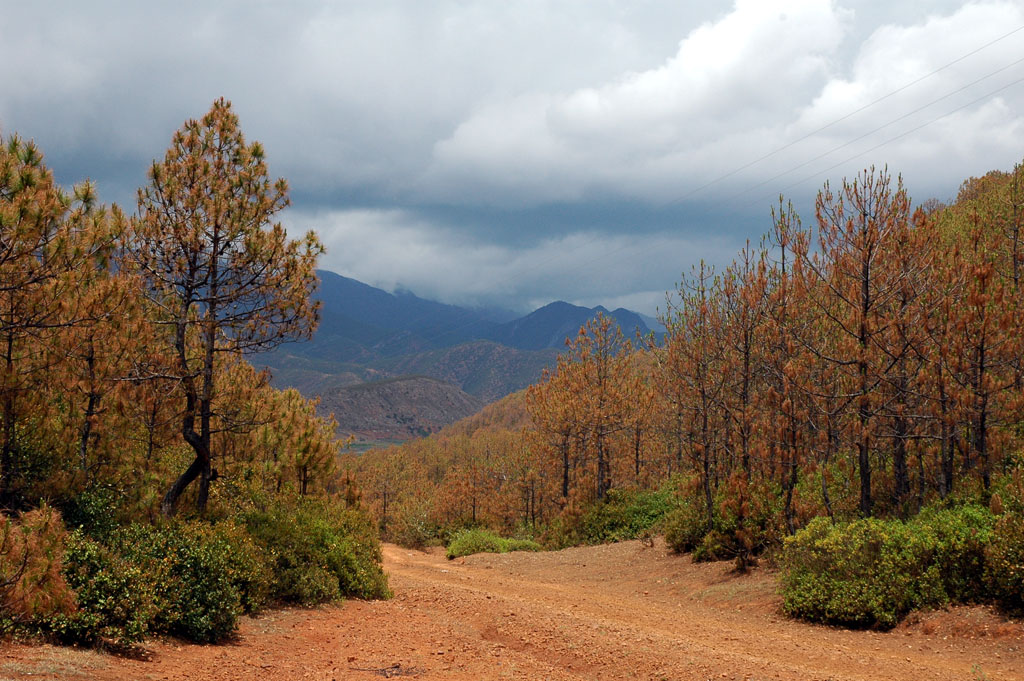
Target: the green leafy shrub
(625, 514)
(468, 542)
(353, 551)
(866, 573)
(1005, 562)
(190, 569)
(300, 572)
(92, 511)
(115, 600)
(961, 535)
(320, 552)
(248, 566)
(686, 525)
(873, 572)
(715, 545)
(412, 527)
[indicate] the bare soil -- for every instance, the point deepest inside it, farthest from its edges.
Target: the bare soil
(621, 611)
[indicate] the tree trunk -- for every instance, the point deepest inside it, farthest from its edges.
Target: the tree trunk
(169, 505)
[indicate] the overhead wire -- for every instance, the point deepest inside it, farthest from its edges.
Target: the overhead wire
(846, 116)
(788, 145)
(987, 95)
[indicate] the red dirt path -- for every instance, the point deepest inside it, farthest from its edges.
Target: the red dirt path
(621, 611)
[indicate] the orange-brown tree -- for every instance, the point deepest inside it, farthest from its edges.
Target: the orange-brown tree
(48, 242)
(222, 277)
(694, 378)
(853, 289)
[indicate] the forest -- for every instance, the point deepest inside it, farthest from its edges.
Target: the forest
(842, 403)
(151, 479)
(844, 400)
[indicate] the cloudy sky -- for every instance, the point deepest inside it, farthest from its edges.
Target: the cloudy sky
(515, 153)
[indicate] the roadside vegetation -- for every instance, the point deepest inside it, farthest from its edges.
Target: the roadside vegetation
(152, 481)
(845, 399)
(470, 541)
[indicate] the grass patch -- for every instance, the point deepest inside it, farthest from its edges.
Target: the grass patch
(468, 542)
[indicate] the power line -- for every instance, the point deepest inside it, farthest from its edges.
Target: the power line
(795, 142)
(604, 256)
(904, 134)
(847, 160)
(845, 117)
(886, 125)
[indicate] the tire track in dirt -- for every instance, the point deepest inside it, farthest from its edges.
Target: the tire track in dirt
(641, 613)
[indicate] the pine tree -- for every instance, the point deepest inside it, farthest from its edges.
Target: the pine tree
(222, 277)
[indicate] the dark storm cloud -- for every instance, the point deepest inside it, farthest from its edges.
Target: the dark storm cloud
(520, 152)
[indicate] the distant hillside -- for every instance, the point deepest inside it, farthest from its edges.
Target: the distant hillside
(549, 326)
(360, 323)
(484, 369)
(509, 413)
(312, 376)
(367, 335)
(397, 408)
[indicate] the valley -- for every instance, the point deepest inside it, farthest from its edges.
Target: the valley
(368, 338)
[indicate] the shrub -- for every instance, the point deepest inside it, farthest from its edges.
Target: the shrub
(92, 511)
(686, 528)
(872, 572)
(248, 566)
(320, 552)
(960, 535)
(865, 573)
(686, 525)
(189, 566)
(412, 527)
(624, 514)
(300, 574)
(1005, 562)
(115, 600)
(468, 542)
(715, 545)
(353, 551)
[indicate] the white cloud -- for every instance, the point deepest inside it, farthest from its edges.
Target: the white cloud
(529, 105)
(742, 87)
(734, 75)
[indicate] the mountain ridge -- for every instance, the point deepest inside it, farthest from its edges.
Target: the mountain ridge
(368, 336)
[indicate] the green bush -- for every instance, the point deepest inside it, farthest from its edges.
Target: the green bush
(866, 573)
(468, 542)
(1005, 562)
(115, 600)
(353, 552)
(192, 569)
(961, 535)
(625, 514)
(320, 552)
(412, 527)
(92, 511)
(248, 565)
(686, 525)
(715, 545)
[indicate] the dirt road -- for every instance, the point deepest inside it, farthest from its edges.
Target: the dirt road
(622, 611)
